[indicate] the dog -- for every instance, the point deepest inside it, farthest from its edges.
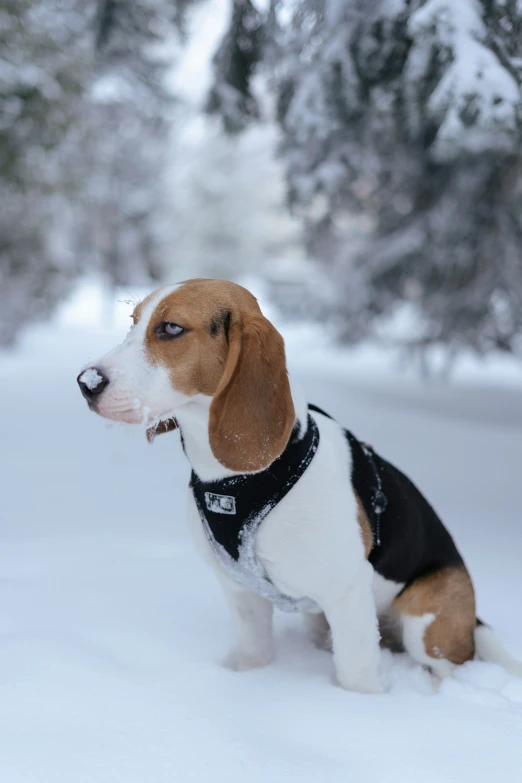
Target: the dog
(288, 507)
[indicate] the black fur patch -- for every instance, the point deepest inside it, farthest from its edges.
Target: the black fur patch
(414, 541)
(226, 322)
(220, 322)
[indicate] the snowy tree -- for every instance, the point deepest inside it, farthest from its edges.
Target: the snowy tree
(224, 212)
(235, 63)
(46, 61)
(124, 136)
(408, 112)
(83, 131)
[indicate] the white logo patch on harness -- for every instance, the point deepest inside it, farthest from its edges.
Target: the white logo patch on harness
(220, 504)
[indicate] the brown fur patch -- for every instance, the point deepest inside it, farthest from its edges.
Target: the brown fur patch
(136, 315)
(252, 413)
(231, 352)
(366, 529)
(448, 594)
(195, 360)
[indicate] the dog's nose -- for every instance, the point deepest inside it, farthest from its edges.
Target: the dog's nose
(92, 382)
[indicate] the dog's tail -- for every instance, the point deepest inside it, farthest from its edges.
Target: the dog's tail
(488, 648)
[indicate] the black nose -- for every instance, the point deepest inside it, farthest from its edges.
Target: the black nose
(92, 382)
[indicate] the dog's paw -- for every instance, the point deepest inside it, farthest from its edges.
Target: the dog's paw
(371, 684)
(239, 662)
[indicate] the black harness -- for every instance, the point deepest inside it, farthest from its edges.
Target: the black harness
(233, 508)
(233, 504)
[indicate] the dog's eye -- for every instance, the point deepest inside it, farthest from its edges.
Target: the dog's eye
(167, 330)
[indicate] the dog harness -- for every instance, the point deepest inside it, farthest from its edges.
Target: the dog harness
(233, 508)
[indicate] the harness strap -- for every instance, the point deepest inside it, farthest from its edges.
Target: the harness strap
(233, 508)
(317, 409)
(233, 505)
(378, 499)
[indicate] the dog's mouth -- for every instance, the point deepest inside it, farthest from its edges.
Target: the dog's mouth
(134, 412)
(124, 411)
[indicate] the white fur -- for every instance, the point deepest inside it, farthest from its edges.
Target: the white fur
(252, 616)
(413, 632)
(384, 591)
(488, 648)
(192, 418)
(138, 392)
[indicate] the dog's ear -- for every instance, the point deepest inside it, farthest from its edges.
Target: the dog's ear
(160, 428)
(252, 413)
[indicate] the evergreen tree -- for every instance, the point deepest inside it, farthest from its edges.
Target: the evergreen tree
(83, 126)
(124, 138)
(408, 112)
(235, 63)
(46, 62)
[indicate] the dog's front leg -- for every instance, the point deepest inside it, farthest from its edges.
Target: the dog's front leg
(252, 617)
(355, 635)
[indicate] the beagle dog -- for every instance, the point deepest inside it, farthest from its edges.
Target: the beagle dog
(288, 507)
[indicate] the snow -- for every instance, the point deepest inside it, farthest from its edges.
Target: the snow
(475, 78)
(113, 629)
(91, 378)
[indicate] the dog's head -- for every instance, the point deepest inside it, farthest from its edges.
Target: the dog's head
(201, 337)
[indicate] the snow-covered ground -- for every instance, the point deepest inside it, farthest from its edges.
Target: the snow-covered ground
(112, 630)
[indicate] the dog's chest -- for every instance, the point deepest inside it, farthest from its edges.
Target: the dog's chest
(232, 511)
(247, 568)
(302, 547)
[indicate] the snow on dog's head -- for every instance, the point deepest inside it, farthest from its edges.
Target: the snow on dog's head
(200, 338)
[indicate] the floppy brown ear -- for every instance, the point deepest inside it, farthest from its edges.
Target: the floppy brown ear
(252, 413)
(160, 428)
